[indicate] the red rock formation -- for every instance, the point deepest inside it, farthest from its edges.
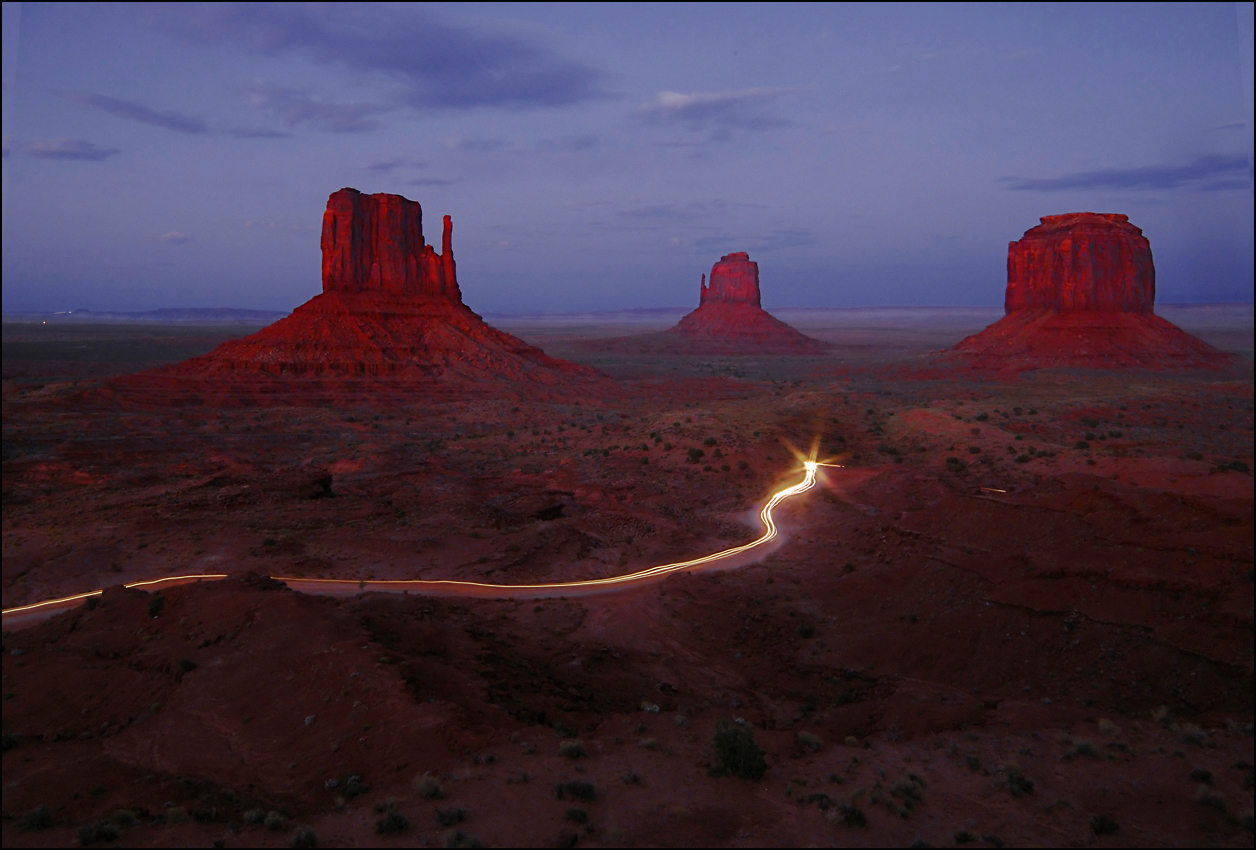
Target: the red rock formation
(729, 319)
(1080, 292)
(390, 307)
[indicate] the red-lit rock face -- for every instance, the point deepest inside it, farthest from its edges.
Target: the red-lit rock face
(729, 319)
(1081, 262)
(374, 243)
(390, 308)
(1080, 293)
(734, 279)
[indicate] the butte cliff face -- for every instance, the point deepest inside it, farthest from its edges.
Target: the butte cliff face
(730, 320)
(390, 308)
(1081, 288)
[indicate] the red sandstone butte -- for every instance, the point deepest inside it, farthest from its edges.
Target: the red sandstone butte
(390, 307)
(1080, 293)
(730, 320)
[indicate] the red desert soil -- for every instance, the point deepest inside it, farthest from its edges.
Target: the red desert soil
(1020, 613)
(1044, 581)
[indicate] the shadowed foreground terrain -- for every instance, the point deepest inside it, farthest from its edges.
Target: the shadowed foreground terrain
(1021, 614)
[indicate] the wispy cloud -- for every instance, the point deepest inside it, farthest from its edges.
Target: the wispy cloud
(133, 111)
(65, 149)
(747, 109)
(465, 143)
(275, 225)
(298, 107)
(258, 133)
(438, 65)
(175, 237)
(392, 164)
(426, 181)
(1207, 173)
(582, 142)
(775, 241)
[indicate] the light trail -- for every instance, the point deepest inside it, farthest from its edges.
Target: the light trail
(486, 589)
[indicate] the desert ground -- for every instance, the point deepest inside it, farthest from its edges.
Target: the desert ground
(1020, 612)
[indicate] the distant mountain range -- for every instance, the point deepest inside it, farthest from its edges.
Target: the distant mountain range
(164, 316)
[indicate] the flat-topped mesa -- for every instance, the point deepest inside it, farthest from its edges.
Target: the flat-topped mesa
(734, 279)
(390, 308)
(1081, 292)
(374, 243)
(1081, 262)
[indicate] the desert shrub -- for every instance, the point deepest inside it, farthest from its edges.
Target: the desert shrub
(810, 741)
(92, 602)
(964, 837)
(577, 816)
(1103, 825)
(954, 464)
(982, 417)
(391, 823)
(733, 750)
(273, 821)
(632, 778)
(1017, 783)
(125, 817)
(427, 786)
(254, 816)
(187, 665)
(303, 837)
(176, 814)
(1195, 455)
(648, 744)
(696, 455)
(806, 630)
(155, 605)
(1208, 797)
(100, 832)
(576, 789)
(449, 817)
(1081, 748)
(1238, 466)
(39, 818)
(1201, 775)
(852, 815)
(461, 839)
(572, 749)
(709, 441)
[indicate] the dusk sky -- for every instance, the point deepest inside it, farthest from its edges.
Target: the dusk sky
(603, 157)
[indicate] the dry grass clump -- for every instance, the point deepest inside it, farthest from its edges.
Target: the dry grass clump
(427, 786)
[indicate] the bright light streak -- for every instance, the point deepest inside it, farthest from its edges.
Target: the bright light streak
(993, 490)
(148, 583)
(765, 516)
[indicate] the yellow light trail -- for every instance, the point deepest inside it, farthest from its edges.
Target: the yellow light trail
(770, 533)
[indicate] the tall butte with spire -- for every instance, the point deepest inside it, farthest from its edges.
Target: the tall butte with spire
(1081, 290)
(390, 308)
(730, 319)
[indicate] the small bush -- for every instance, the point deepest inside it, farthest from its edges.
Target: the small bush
(1081, 748)
(187, 665)
(391, 823)
(709, 441)
(176, 814)
(303, 837)
(449, 817)
(852, 815)
(733, 750)
(806, 630)
(427, 786)
(39, 818)
(125, 817)
(100, 832)
(1208, 797)
(254, 816)
(964, 837)
(1018, 784)
(273, 821)
(954, 464)
(1103, 825)
(810, 741)
(632, 778)
(982, 417)
(155, 605)
(576, 789)
(577, 816)
(572, 749)
(1201, 775)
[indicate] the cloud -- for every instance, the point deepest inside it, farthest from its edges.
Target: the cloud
(747, 109)
(133, 111)
(1235, 125)
(175, 237)
(65, 149)
(439, 66)
(777, 240)
(1149, 178)
(426, 181)
(463, 143)
(258, 133)
(296, 107)
(583, 142)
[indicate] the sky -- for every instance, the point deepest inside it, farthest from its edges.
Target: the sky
(602, 157)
